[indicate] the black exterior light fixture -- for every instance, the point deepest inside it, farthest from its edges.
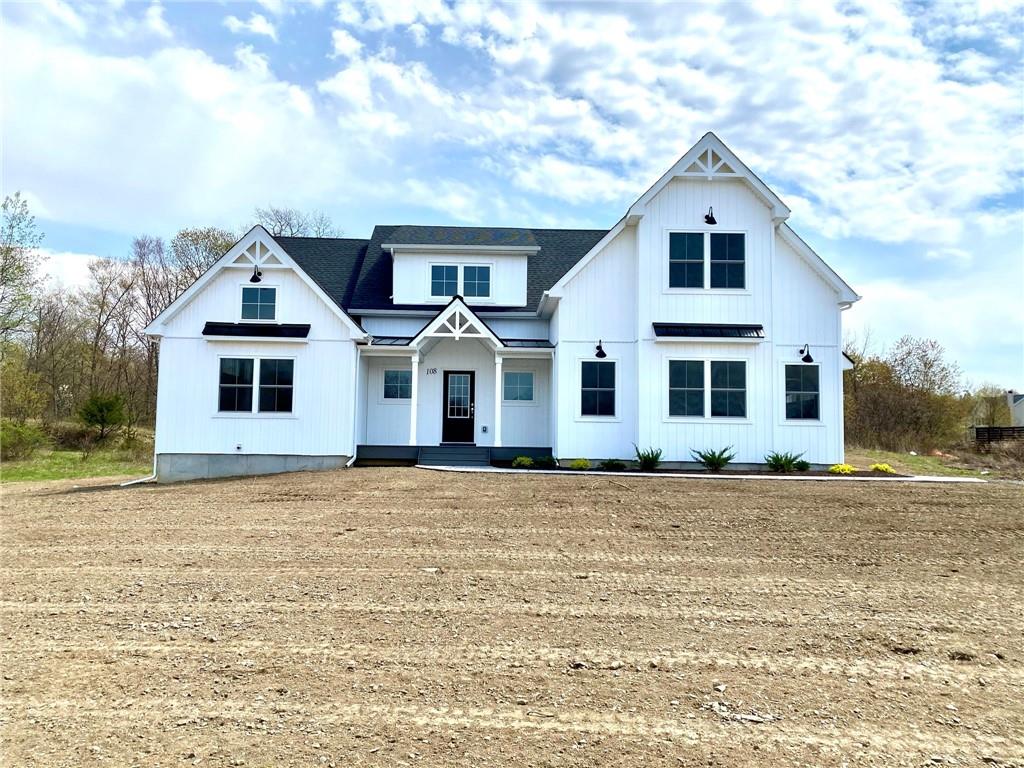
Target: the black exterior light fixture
(709, 217)
(256, 274)
(600, 354)
(805, 353)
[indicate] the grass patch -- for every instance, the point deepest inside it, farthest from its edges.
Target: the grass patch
(905, 464)
(63, 465)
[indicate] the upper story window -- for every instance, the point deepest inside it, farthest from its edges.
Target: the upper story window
(699, 260)
(259, 303)
(476, 282)
(802, 392)
(517, 386)
(444, 280)
(597, 388)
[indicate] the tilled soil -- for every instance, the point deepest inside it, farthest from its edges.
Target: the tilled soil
(408, 617)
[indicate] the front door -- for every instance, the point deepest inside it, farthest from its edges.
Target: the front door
(457, 425)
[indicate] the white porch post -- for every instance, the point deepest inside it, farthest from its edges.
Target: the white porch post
(497, 400)
(413, 400)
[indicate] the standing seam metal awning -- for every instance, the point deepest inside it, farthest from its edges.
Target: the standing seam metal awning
(707, 331)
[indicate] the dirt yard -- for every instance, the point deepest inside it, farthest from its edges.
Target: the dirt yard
(407, 617)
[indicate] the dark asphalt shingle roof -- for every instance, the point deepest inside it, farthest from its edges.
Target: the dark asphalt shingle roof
(357, 273)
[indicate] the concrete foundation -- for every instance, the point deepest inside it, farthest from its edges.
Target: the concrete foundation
(175, 467)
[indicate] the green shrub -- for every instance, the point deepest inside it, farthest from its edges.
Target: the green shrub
(579, 464)
(886, 468)
(20, 441)
(649, 459)
(103, 412)
(522, 462)
(714, 460)
(842, 469)
(545, 462)
(802, 466)
(782, 462)
(613, 465)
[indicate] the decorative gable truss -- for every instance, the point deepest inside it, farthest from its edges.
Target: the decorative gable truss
(709, 164)
(456, 321)
(256, 250)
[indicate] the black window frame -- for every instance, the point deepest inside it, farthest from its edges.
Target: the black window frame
(686, 261)
(278, 395)
(727, 394)
(236, 391)
(727, 257)
(802, 397)
(445, 281)
(595, 391)
(687, 390)
(476, 281)
(397, 388)
(259, 304)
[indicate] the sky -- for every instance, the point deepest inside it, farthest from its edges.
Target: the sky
(894, 132)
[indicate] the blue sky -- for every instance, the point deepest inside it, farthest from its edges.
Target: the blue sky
(895, 132)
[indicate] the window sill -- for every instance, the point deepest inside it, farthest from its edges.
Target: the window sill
(707, 420)
(710, 291)
(256, 415)
(802, 423)
(599, 419)
(519, 403)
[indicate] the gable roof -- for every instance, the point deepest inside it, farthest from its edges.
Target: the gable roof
(460, 237)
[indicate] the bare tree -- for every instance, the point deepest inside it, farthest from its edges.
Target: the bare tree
(108, 296)
(19, 243)
(291, 222)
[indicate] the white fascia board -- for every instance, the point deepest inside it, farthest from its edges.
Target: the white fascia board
(517, 250)
(780, 211)
(556, 291)
(847, 296)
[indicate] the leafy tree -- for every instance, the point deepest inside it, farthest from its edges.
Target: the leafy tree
(104, 412)
(194, 250)
(291, 222)
(19, 243)
(989, 407)
(22, 390)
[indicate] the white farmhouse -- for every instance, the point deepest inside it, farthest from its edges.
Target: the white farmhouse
(699, 321)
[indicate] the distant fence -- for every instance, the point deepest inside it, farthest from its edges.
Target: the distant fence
(986, 435)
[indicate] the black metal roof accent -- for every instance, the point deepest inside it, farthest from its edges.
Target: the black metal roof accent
(258, 330)
(390, 341)
(708, 331)
(528, 343)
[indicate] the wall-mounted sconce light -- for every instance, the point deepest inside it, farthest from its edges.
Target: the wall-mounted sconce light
(256, 274)
(805, 353)
(709, 217)
(600, 354)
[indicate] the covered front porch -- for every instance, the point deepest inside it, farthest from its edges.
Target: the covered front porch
(456, 383)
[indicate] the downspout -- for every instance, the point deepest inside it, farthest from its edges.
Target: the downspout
(355, 410)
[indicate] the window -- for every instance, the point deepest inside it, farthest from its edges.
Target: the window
(802, 392)
(686, 388)
(235, 384)
(258, 303)
(686, 260)
(597, 388)
(729, 388)
(476, 282)
(276, 386)
(444, 280)
(727, 260)
(518, 386)
(397, 385)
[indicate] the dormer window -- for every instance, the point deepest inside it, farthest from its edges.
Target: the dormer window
(476, 282)
(259, 303)
(471, 281)
(444, 280)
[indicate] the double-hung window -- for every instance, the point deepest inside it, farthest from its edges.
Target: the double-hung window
(686, 388)
(802, 392)
(444, 280)
(597, 388)
(476, 282)
(686, 260)
(398, 385)
(728, 260)
(259, 303)
(517, 386)
(237, 381)
(729, 388)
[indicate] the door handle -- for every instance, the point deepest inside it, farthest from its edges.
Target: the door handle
(472, 409)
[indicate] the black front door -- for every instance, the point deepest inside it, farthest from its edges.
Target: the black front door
(457, 425)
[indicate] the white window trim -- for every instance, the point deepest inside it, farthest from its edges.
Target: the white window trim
(261, 284)
(255, 413)
(392, 401)
(579, 391)
(785, 422)
(707, 289)
(707, 418)
(519, 403)
(460, 284)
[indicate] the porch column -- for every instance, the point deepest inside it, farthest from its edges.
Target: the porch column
(413, 400)
(497, 400)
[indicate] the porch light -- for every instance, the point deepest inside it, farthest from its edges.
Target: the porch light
(256, 274)
(805, 353)
(709, 217)
(600, 353)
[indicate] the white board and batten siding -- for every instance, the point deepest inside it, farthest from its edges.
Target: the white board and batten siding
(412, 277)
(188, 420)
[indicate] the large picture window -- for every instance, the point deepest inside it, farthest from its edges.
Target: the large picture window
(476, 282)
(802, 392)
(444, 280)
(597, 388)
(276, 381)
(686, 388)
(235, 384)
(728, 260)
(517, 386)
(259, 303)
(729, 388)
(398, 385)
(686, 260)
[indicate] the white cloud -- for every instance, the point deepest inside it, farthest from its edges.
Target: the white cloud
(155, 21)
(65, 14)
(257, 24)
(345, 44)
(275, 7)
(66, 269)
